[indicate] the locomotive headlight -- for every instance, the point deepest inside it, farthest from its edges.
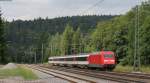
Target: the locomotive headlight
(109, 61)
(112, 60)
(105, 60)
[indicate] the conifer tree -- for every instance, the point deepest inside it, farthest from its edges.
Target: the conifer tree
(66, 41)
(2, 42)
(77, 41)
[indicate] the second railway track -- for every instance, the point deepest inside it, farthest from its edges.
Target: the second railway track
(112, 76)
(133, 75)
(66, 76)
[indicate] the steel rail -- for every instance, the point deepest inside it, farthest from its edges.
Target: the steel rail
(47, 71)
(103, 75)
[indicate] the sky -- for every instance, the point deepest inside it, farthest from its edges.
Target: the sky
(30, 9)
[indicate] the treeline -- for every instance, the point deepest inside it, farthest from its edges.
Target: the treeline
(117, 34)
(27, 40)
(35, 40)
(3, 57)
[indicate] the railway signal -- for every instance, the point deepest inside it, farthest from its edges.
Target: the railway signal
(136, 66)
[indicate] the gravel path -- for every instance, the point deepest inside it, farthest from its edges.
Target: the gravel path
(9, 66)
(50, 80)
(20, 81)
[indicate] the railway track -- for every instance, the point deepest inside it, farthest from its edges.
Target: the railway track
(114, 76)
(59, 74)
(136, 75)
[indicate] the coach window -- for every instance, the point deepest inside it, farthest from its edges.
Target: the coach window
(56, 59)
(61, 59)
(69, 59)
(81, 58)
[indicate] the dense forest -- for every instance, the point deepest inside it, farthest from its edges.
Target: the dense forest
(3, 57)
(35, 40)
(27, 40)
(117, 34)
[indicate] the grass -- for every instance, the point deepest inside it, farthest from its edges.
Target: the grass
(145, 69)
(26, 73)
(120, 68)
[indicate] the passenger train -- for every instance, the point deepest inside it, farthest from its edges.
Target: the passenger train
(102, 60)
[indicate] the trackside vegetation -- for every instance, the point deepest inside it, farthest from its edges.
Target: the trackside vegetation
(127, 68)
(21, 71)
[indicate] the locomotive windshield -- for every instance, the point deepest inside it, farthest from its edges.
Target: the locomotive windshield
(108, 56)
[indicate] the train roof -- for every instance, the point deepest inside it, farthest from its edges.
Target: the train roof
(77, 55)
(70, 56)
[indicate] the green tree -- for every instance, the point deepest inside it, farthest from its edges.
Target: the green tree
(2, 42)
(145, 42)
(97, 38)
(66, 41)
(77, 42)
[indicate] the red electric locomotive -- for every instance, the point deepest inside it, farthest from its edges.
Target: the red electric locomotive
(103, 59)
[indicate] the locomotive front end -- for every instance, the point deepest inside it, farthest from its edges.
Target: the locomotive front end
(109, 59)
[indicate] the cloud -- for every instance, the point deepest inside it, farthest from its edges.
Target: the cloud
(30, 9)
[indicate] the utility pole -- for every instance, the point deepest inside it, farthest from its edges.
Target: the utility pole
(35, 57)
(136, 66)
(42, 53)
(29, 53)
(25, 56)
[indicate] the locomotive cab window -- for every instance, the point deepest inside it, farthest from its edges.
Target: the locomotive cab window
(108, 56)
